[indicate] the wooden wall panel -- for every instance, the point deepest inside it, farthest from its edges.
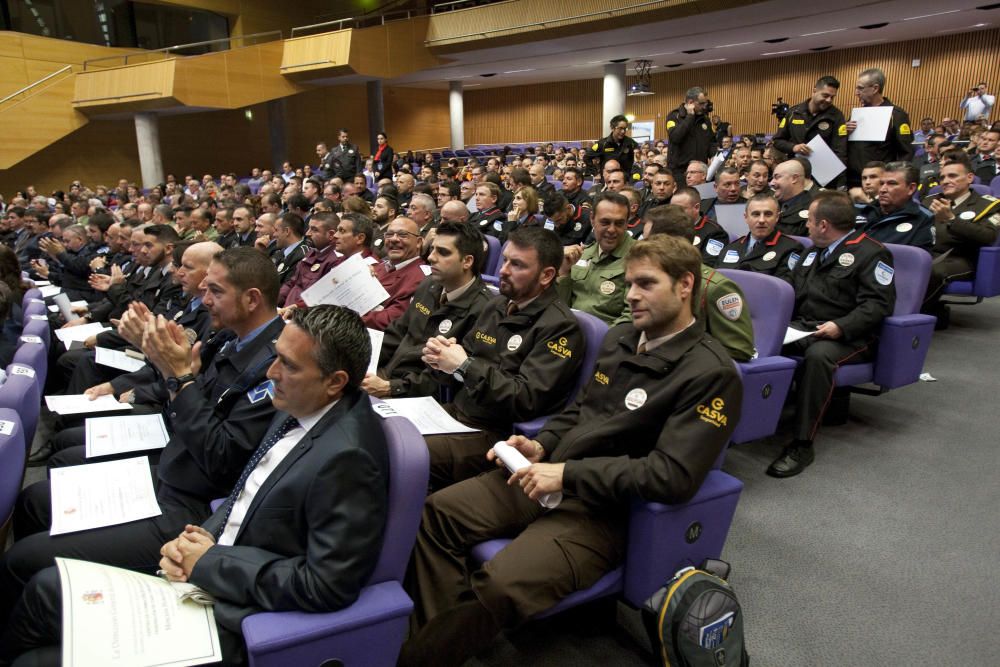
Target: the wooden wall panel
(416, 118)
(214, 142)
(743, 92)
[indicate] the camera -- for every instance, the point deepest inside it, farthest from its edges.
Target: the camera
(709, 107)
(779, 109)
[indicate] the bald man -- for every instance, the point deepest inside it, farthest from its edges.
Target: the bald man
(788, 184)
(454, 211)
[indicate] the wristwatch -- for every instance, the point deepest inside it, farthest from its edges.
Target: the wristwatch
(174, 384)
(460, 372)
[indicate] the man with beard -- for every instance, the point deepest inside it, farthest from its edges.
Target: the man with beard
(384, 210)
(817, 116)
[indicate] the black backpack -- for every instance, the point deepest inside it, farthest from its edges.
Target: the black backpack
(697, 620)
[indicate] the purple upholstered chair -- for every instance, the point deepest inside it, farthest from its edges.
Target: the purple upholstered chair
(38, 329)
(768, 377)
(34, 308)
(492, 266)
(594, 330)
(33, 293)
(370, 632)
(995, 186)
(985, 283)
(12, 453)
(22, 394)
(34, 356)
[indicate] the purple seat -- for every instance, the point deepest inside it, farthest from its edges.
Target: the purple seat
(33, 293)
(22, 394)
(34, 356)
(995, 186)
(804, 240)
(38, 329)
(594, 330)
(492, 265)
(767, 378)
(981, 189)
(12, 453)
(369, 632)
(662, 539)
(35, 309)
(985, 283)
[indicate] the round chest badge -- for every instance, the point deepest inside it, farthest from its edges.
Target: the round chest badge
(704, 126)
(444, 327)
(967, 215)
(846, 259)
(577, 227)
(824, 126)
(635, 399)
(281, 267)
(904, 227)
(315, 267)
(697, 240)
(607, 288)
(804, 213)
(769, 256)
(513, 343)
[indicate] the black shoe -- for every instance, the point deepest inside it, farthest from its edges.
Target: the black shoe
(943, 315)
(792, 461)
(40, 456)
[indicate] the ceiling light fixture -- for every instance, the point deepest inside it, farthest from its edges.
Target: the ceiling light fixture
(726, 46)
(643, 84)
(822, 32)
(927, 16)
(713, 60)
(778, 53)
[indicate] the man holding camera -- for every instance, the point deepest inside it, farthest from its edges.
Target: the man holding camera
(977, 103)
(690, 132)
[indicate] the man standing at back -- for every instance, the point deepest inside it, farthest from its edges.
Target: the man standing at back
(898, 141)
(345, 158)
(817, 116)
(690, 133)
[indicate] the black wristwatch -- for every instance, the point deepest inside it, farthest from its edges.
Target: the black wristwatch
(459, 372)
(174, 384)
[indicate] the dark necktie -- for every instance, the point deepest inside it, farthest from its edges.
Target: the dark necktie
(264, 448)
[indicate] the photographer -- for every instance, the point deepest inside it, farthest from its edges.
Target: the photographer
(779, 109)
(977, 103)
(690, 132)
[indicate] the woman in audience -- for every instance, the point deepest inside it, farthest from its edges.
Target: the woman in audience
(524, 210)
(383, 159)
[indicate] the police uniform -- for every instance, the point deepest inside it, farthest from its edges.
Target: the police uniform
(607, 149)
(709, 238)
(345, 161)
(776, 255)
(853, 287)
(426, 317)
(911, 225)
(226, 240)
(215, 424)
(646, 425)
(956, 248)
(794, 214)
(575, 229)
(985, 168)
(596, 284)
(523, 366)
(492, 221)
(579, 199)
(649, 203)
(723, 310)
(285, 264)
(800, 126)
(690, 137)
(898, 145)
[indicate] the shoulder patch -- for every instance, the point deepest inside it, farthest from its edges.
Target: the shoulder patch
(842, 131)
(904, 129)
(265, 390)
(731, 306)
(670, 124)
(594, 147)
(781, 124)
(798, 121)
(713, 247)
(793, 259)
(883, 273)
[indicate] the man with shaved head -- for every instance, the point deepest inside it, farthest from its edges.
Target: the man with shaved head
(788, 184)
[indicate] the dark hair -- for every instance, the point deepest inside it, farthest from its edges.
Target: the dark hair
(874, 164)
(767, 196)
(836, 208)
(671, 220)
(10, 271)
(828, 80)
(165, 233)
(179, 249)
(340, 340)
(296, 225)
(673, 255)
(807, 168)
(468, 240)
(453, 188)
(554, 203)
(687, 191)
(574, 170)
(545, 243)
(328, 219)
(617, 119)
(616, 198)
(362, 224)
(390, 202)
(911, 175)
(248, 268)
(101, 220)
(16, 210)
(957, 156)
(299, 201)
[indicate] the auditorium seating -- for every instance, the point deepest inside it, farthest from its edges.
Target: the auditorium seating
(12, 455)
(22, 394)
(986, 282)
(493, 256)
(370, 632)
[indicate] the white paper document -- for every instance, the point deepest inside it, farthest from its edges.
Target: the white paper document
(792, 335)
(131, 433)
(73, 337)
(706, 190)
(351, 285)
(119, 618)
(95, 495)
(826, 166)
(376, 337)
(78, 404)
(49, 290)
(117, 359)
(873, 123)
(64, 306)
(425, 413)
(730, 217)
(73, 304)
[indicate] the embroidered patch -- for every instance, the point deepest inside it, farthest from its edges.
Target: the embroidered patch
(883, 273)
(768, 256)
(804, 213)
(967, 215)
(513, 343)
(847, 259)
(793, 259)
(731, 306)
(607, 288)
(696, 241)
(635, 399)
(732, 256)
(714, 247)
(445, 326)
(265, 390)
(904, 227)
(809, 259)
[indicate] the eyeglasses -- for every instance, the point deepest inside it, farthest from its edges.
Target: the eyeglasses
(401, 235)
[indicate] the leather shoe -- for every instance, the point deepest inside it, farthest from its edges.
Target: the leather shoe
(40, 456)
(792, 461)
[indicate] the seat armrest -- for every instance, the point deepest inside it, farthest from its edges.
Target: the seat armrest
(902, 349)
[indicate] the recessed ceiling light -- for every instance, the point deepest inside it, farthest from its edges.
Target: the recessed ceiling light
(675, 65)
(693, 51)
(823, 32)
(778, 53)
(518, 71)
(726, 46)
(713, 60)
(927, 16)
(819, 48)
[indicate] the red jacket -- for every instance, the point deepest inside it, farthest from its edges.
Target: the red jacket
(400, 285)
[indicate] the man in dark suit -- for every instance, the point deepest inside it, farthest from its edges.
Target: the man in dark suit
(302, 528)
(289, 237)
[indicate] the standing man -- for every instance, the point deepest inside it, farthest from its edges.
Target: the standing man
(816, 116)
(978, 103)
(325, 168)
(616, 146)
(690, 133)
(898, 142)
(345, 159)
(764, 249)
(843, 291)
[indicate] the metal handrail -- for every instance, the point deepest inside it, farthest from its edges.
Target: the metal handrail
(45, 78)
(166, 50)
(339, 22)
(384, 16)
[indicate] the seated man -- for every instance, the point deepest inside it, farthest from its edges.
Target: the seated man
(789, 188)
(638, 429)
(721, 306)
(871, 180)
(895, 217)
(448, 304)
(843, 291)
(592, 278)
(303, 526)
(570, 222)
(964, 221)
(217, 412)
(519, 360)
(758, 179)
(400, 273)
(488, 218)
(727, 191)
(316, 263)
(661, 188)
(764, 249)
(709, 237)
(290, 242)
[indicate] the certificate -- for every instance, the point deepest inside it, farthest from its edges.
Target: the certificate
(49, 290)
(117, 359)
(350, 285)
(376, 338)
(95, 495)
(792, 335)
(130, 433)
(78, 404)
(706, 190)
(425, 413)
(73, 337)
(119, 618)
(826, 166)
(873, 123)
(731, 218)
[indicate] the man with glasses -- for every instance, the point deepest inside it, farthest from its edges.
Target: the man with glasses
(401, 272)
(898, 142)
